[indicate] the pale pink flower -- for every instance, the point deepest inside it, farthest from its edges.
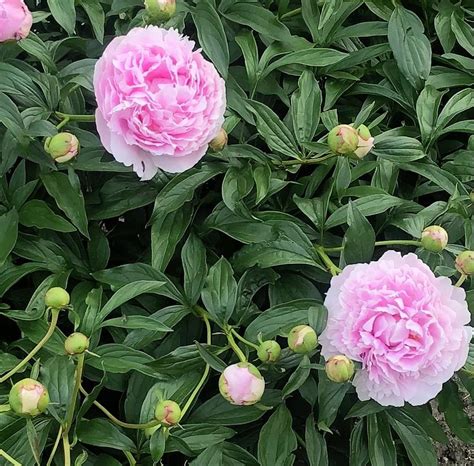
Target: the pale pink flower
(241, 384)
(405, 326)
(159, 102)
(15, 20)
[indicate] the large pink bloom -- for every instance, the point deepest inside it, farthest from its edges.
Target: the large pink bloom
(406, 326)
(15, 20)
(159, 103)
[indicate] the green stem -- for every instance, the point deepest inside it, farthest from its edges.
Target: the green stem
(131, 460)
(290, 14)
(244, 340)
(4, 454)
(42, 342)
(63, 123)
(67, 450)
(84, 118)
(235, 347)
(287, 163)
(331, 266)
(75, 393)
(117, 421)
(395, 242)
(203, 379)
(55, 446)
(461, 280)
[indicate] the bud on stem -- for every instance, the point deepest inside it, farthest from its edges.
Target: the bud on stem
(76, 343)
(465, 262)
(28, 397)
(302, 339)
(62, 147)
(241, 384)
(339, 369)
(434, 238)
(57, 298)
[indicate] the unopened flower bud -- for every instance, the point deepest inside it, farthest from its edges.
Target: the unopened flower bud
(15, 20)
(465, 262)
(160, 10)
(302, 339)
(62, 147)
(434, 238)
(269, 351)
(343, 139)
(365, 142)
(168, 412)
(242, 384)
(28, 397)
(57, 298)
(220, 141)
(76, 343)
(339, 369)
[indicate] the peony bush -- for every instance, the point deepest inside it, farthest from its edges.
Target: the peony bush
(236, 232)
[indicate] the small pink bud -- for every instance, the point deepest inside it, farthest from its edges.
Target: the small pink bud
(343, 139)
(241, 384)
(168, 412)
(57, 298)
(339, 369)
(302, 339)
(15, 20)
(28, 397)
(160, 10)
(76, 343)
(365, 143)
(62, 147)
(465, 262)
(220, 141)
(269, 351)
(434, 238)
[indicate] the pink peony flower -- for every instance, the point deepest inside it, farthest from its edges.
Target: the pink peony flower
(15, 20)
(241, 384)
(407, 327)
(159, 103)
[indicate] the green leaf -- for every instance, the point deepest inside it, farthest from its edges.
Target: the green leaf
(381, 446)
(10, 117)
(458, 103)
(427, 107)
(417, 444)
(237, 184)
(225, 453)
(157, 444)
(211, 36)
(199, 436)
(316, 448)
(277, 136)
(262, 175)
(330, 396)
(298, 377)
(193, 257)
(137, 322)
(306, 107)
(246, 41)
(355, 250)
(69, 199)
(214, 361)
(219, 294)
(463, 32)
(359, 454)
(96, 15)
(411, 48)
(64, 13)
(398, 149)
(8, 234)
(423, 417)
(38, 214)
(278, 426)
(102, 433)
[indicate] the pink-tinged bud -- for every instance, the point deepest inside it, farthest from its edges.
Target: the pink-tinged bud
(160, 10)
(76, 343)
(28, 397)
(168, 412)
(434, 238)
(365, 142)
(62, 147)
(465, 262)
(15, 20)
(57, 298)
(269, 351)
(302, 339)
(220, 141)
(339, 369)
(343, 139)
(242, 384)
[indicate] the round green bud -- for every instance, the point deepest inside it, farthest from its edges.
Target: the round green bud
(465, 262)
(160, 10)
(57, 298)
(168, 412)
(28, 397)
(343, 139)
(302, 339)
(339, 369)
(269, 351)
(76, 343)
(62, 147)
(434, 238)
(220, 141)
